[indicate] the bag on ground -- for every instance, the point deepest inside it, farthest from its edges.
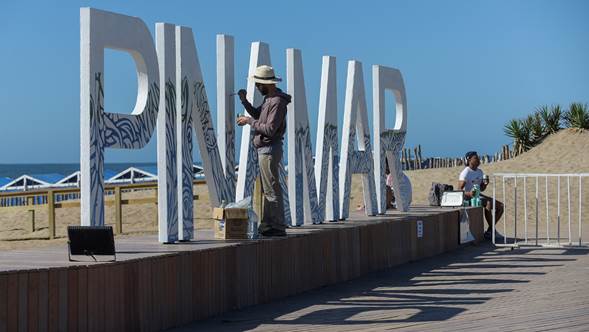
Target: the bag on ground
(435, 193)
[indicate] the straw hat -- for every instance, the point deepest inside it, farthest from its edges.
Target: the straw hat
(265, 75)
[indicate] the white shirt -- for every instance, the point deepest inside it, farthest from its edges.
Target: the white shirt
(471, 177)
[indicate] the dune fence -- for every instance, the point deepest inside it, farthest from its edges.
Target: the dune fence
(411, 159)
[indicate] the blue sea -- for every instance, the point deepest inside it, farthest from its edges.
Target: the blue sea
(15, 170)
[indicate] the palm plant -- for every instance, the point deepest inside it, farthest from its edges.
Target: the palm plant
(551, 117)
(536, 127)
(527, 140)
(577, 116)
(520, 133)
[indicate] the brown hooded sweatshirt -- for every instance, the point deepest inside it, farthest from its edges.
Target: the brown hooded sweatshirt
(269, 120)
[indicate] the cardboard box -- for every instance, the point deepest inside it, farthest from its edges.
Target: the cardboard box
(230, 223)
(230, 213)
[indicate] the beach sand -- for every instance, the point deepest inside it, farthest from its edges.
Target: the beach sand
(560, 153)
(137, 219)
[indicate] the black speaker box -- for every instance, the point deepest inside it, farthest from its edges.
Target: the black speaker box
(91, 241)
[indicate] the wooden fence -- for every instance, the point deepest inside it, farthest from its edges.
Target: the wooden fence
(411, 159)
(47, 197)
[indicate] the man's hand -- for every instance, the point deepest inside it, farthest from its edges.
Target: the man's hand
(242, 121)
(242, 95)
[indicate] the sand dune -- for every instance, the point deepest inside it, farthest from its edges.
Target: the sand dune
(563, 152)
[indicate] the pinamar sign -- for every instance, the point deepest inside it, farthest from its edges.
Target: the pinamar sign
(172, 102)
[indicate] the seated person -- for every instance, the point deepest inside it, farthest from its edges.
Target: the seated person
(389, 187)
(472, 175)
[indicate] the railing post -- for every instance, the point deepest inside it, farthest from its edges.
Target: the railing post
(118, 211)
(51, 213)
(547, 215)
(494, 209)
(526, 209)
(580, 209)
(569, 206)
(504, 213)
(558, 209)
(537, 211)
(515, 210)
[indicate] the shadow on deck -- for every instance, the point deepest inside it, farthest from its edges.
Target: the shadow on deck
(437, 289)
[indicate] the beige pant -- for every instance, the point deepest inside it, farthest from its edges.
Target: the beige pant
(273, 215)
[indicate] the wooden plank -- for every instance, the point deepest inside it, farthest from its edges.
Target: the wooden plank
(145, 293)
(96, 308)
(3, 302)
(199, 273)
(131, 302)
(63, 299)
(206, 285)
(169, 293)
(62, 205)
(146, 200)
(154, 290)
(33, 301)
(12, 304)
(109, 290)
(82, 300)
(72, 299)
(118, 289)
(43, 301)
(183, 301)
(53, 320)
(23, 287)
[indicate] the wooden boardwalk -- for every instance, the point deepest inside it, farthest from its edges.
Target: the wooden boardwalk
(473, 289)
(153, 287)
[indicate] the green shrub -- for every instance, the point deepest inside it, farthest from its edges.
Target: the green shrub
(551, 118)
(519, 131)
(537, 131)
(577, 116)
(530, 131)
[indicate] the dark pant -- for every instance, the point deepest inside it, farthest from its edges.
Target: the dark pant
(487, 204)
(273, 215)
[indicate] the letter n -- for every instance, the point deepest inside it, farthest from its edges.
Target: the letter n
(301, 172)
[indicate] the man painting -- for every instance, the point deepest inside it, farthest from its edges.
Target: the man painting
(269, 124)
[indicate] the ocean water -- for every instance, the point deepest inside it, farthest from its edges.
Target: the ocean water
(15, 170)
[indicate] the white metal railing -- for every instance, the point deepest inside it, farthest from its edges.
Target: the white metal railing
(518, 182)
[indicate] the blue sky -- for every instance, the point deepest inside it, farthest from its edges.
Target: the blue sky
(469, 66)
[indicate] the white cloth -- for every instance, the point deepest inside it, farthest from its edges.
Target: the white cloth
(389, 181)
(471, 177)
